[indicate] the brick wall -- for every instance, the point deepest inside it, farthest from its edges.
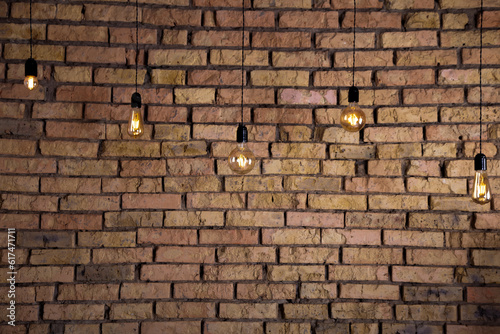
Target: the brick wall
(333, 232)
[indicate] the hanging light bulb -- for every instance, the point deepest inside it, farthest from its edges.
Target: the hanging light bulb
(31, 73)
(135, 127)
(353, 118)
(481, 193)
(241, 160)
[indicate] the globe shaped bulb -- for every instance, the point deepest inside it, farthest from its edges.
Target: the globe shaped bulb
(352, 118)
(30, 82)
(241, 160)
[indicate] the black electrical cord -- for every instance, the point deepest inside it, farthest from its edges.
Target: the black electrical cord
(242, 57)
(354, 44)
(480, 80)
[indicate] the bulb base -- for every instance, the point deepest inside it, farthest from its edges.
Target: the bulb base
(242, 134)
(480, 162)
(30, 68)
(353, 94)
(136, 101)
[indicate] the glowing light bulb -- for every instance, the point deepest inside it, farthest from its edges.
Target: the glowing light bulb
(481, 193)
(30, 72)
(135, 126)
(241, 160)
(30, 82)
(135, 123)
(353, 118)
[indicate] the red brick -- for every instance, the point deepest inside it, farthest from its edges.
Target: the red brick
(226, 237)
(166, 236)
(281, 40)
(303, 96)
(170, 272)
(45, 274)
(299, 19)
(83, 93)
(28, 203)
(188, 327)
(203, 290)
(71, 222)
(18, 91)
(27, 166)
(143, 168)
(226, 18)
(127, 36)
(219, 38)
(372, 20)
(185, 254)
(151, 201)
(74, 130)
(77, 33)
(89, 54)
(315, 219)
(433, 96)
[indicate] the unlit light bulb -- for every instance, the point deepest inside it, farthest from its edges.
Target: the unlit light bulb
(481, 193)
(241, 160)
(135, 126)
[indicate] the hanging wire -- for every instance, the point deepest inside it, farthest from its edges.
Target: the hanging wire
(136, 41)
(31, 35)
(354, 44)
(480, 80)
(242, 57)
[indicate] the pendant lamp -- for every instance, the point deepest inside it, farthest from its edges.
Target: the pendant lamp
(135, 127)
(353, 118)
(481, 192)
(241, 159)
(30, 67)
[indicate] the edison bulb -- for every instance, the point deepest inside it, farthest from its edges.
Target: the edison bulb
(30, 82)
(353, 118)
(481, 193)
(241, 160)
(135, 123)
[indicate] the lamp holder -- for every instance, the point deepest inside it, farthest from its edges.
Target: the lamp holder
(480, 162)
(30, 67)
(242, 134)
(136, 101)
(353, 94)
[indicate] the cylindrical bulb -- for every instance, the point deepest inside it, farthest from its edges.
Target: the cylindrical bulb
(30, 82)
(135, 123)
(241, 160)
(30, 74)
(481, 193)
(352, 118)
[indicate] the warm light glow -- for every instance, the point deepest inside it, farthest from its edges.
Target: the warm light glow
(135, 124)
(241, 160)
(481, 193)
(353, 118)
(30, 82)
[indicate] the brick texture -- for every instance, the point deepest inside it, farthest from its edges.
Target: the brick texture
(332, 232)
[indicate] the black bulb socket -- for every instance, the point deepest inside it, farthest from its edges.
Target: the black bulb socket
(353, 94)
(242, 134)
(30, 68)
(136, 101)
(480, 162)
